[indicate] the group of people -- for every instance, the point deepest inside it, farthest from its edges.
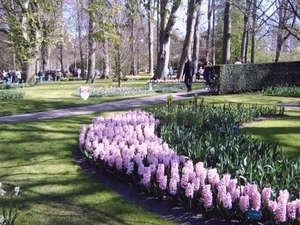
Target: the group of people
(11, 76)
(189, 71)
(55, 74)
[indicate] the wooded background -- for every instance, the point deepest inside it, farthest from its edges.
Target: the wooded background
(126, 37)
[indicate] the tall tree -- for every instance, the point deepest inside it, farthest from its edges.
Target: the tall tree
(213, 35)
(82, 21)
(167, 11)
(285, 17)
(227, 32)
(24, 28)
(209, 15)
(150, 14)
(196, 41)
(245, 35)
(253, 31)
(91, 45)
(192, 10)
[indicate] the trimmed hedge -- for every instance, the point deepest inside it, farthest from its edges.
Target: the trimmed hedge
(241, 78)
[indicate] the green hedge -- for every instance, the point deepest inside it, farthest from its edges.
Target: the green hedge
(241, 78)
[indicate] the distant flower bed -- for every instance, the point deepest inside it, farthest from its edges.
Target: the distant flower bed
(15, 86)
(127, 145)
(173, 81)
(127, 91)
(282, 91)
(11, 94)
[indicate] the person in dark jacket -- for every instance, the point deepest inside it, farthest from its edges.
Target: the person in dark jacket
(188, 72)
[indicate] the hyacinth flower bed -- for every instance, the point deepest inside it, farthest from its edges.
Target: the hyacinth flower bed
(128, 146)
(162, 81)
(127, 91)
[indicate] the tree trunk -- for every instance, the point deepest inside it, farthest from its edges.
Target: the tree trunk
(227, 33)
(284, 16)
(213, 36)
(29, 71)
(80, 37)
(195, 54)
(190, 26)
(150, 37)
(208, 43)
(91, 49)
(245, 30)
(163, 57)
(106, 62)
(253, 44)
(167, 20)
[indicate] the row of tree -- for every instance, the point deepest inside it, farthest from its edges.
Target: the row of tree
(121, 37)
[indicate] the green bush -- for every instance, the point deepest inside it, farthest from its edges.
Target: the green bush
(11, 94)
(241, 78)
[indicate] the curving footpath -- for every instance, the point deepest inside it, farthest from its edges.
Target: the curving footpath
(109, 106)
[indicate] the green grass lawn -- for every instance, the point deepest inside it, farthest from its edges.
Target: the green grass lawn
(54, 190)
(37, 156)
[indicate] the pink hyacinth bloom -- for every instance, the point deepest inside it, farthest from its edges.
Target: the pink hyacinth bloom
(251, 189)
(175, 171)
(225, 179)
(189, 190)
(283, 196)
(163, 181)
(272, 205)
(173, 186)
(235, 194)
(130, 168)
(266, 193)
(227, 201)
(244, 203)
(213, 177)
(141, 168)
(146, 176)
(256, 200)
(292, 210)
(232, 185)
(207, 196)
(196, 182)
(280, 213)
(160, 171)
(298, 205)
(119, 163)
(201, 172)
(184, 181)
(246, 189)
(221, 192)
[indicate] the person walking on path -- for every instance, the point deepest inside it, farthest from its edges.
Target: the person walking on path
(188, 72)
